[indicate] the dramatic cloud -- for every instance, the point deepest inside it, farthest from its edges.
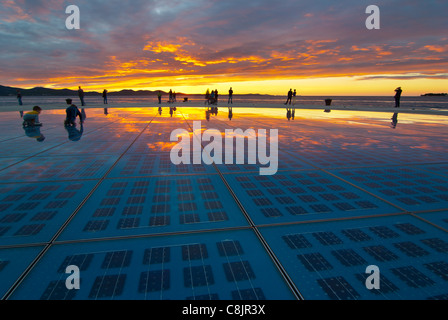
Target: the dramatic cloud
(148, 44)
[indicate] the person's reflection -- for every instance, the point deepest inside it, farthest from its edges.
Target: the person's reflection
(21, 113)
(34, 133)
(160, 110)
(171, 112)
(230, 113)
(293, 114)
(207, 114)
(73, 133)
(105, 111)
(83, 113)
(394, 122)
(288, 114)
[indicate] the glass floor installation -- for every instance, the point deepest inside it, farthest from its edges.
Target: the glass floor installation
(351, 190)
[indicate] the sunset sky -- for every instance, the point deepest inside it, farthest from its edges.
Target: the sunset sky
(319, 47)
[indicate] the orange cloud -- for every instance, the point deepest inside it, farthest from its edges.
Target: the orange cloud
(160, 47)
(438, 49)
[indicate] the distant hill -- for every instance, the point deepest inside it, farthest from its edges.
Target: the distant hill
(39, 91)
(434, 95)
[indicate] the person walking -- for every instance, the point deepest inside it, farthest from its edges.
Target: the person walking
(81, 95)
(289, 97)
(294, 94)
(397, 97)
(230, 96)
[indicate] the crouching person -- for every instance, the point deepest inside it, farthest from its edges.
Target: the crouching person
(72, 112)
(32, 118)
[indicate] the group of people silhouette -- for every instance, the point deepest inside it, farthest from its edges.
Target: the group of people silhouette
(211, 97)
(291, 97)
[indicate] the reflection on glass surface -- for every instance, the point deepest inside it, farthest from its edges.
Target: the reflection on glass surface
(73, 133)
(34, 133)
(394, 121)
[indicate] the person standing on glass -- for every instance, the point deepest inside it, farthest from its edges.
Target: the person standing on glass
(105, 96)
(81, 95)
(230, 96)
(397, 97)
(159, 96)
(207, 97)
(19, 98)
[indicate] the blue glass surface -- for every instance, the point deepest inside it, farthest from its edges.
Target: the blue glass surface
(349, 192)
(328, 260)
(221, 265)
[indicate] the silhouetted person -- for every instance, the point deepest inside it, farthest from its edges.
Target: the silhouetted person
(212, 97)
(230, 96)
(216, 95)
(289, 97)
(294, 94)
(397, 97)
(394, 122)
(19, 98)
(81, 95)
(170, 96)
(72, 112)
(207, 97)
(105, 96)
(159, 96)
(230, 113)
(31, 119)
